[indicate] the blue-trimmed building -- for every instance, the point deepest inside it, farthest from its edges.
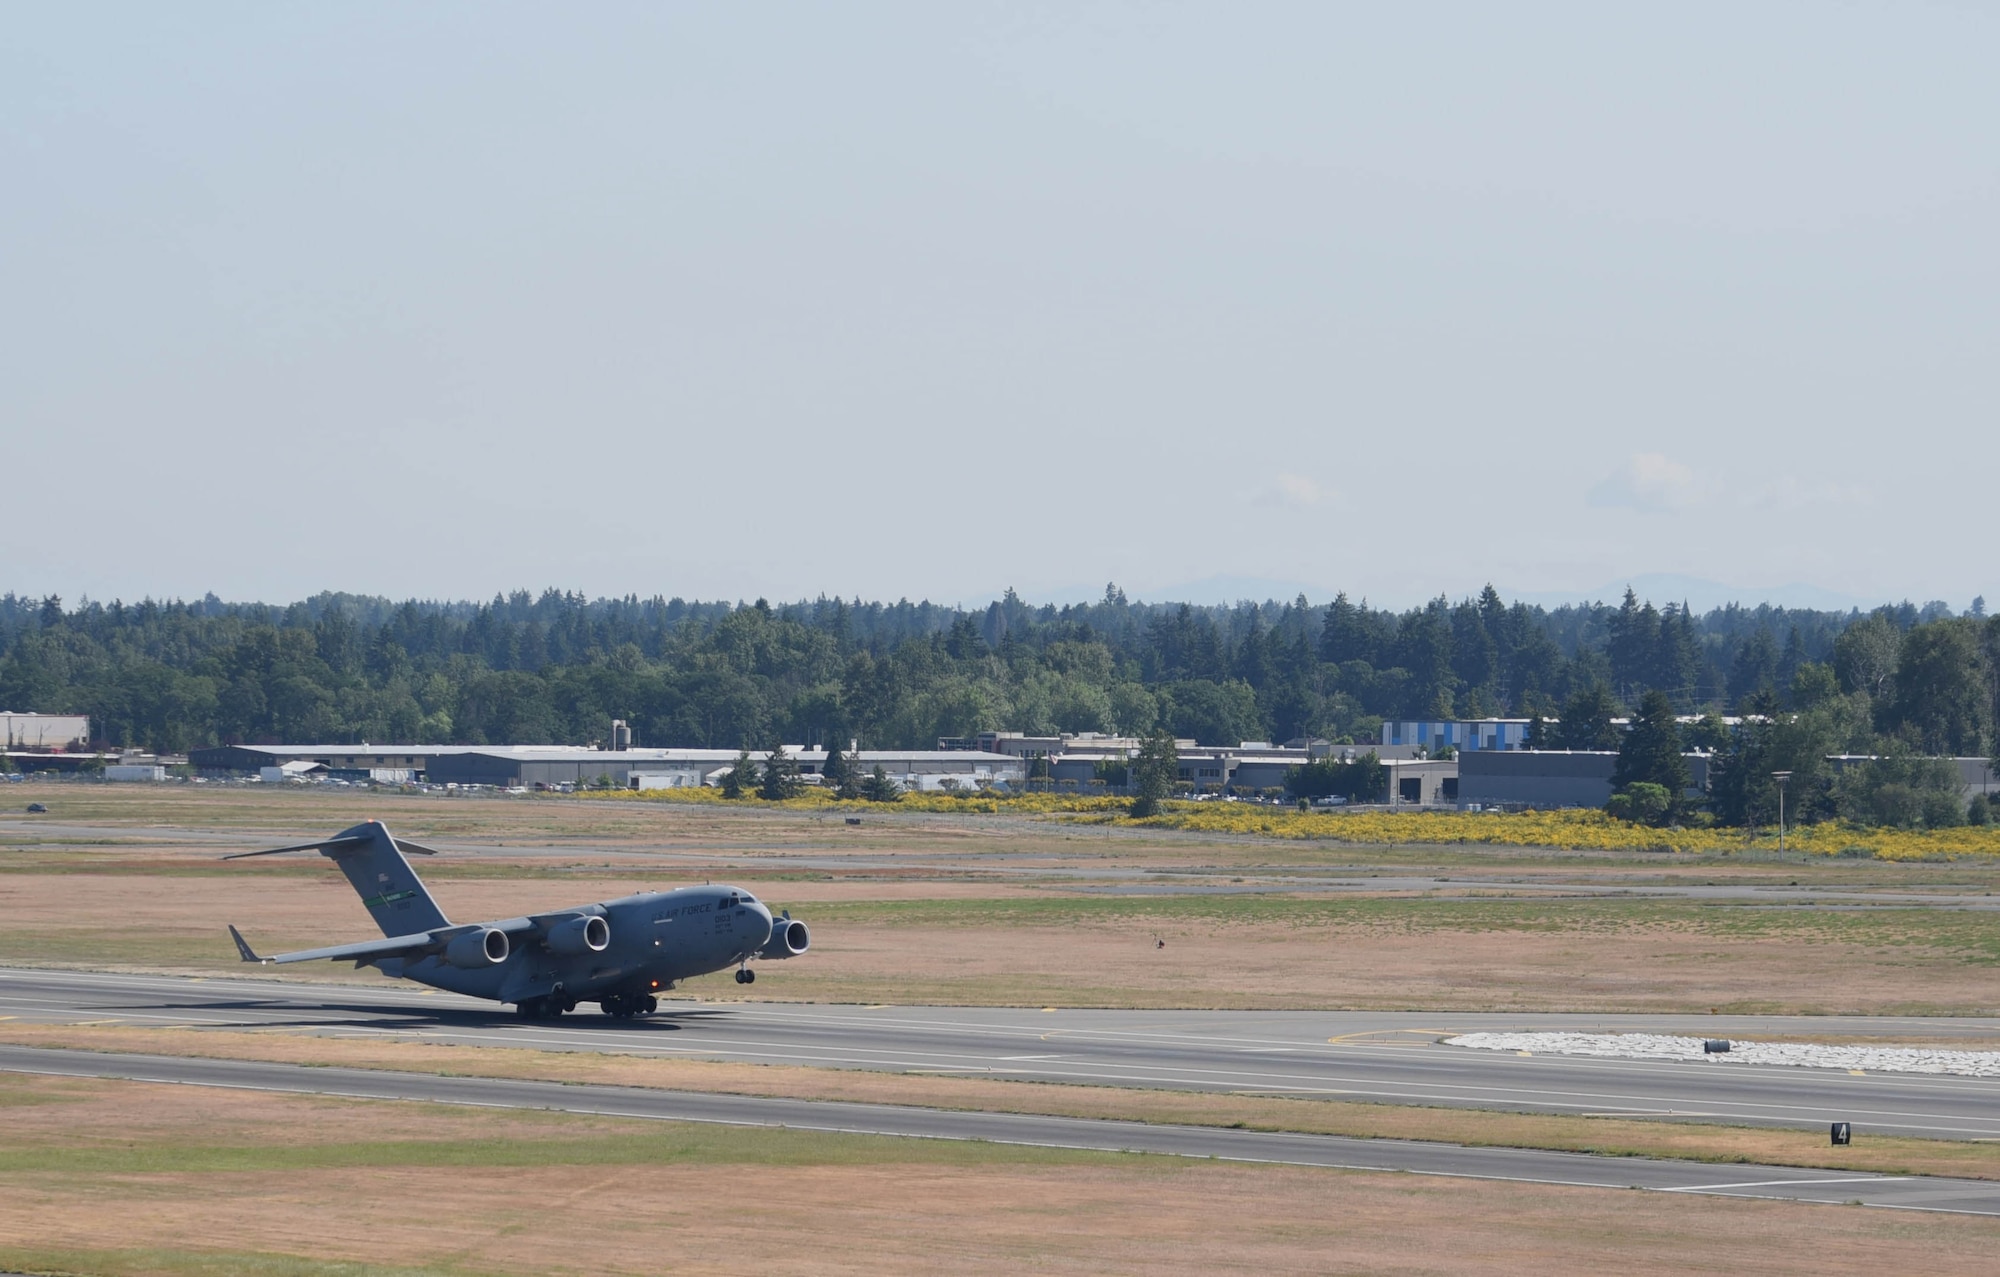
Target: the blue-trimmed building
(1463, 734)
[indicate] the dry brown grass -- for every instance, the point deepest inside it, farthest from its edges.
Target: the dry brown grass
(865, 1206)
(131, 813)
(1615, 1136)
(1097, 957)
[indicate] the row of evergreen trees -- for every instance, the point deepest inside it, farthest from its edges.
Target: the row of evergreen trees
(777, 778)
(558, 667)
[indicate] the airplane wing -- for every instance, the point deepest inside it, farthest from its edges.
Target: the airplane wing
(410, 946)
(415, 945)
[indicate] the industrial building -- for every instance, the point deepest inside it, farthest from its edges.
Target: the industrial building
(1550, 778)
(511, 766)
(354, 762)
(923, 770)
(1547, 778)
(1466, 734)
(43, 733)
(1975, 775)
(1076, 758)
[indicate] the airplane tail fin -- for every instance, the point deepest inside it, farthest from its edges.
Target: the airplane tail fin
(243, 946)
(379, 873)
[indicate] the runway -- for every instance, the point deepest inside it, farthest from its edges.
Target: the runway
(1330, 1152)
(1382, 1057)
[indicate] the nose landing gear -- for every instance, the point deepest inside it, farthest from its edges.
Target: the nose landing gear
(744, 975)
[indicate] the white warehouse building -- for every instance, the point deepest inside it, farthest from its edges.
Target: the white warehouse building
(43, 732)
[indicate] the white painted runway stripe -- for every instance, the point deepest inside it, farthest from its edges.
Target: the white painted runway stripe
(1791, 1181)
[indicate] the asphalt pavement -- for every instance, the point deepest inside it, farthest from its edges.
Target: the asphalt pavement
(1384, 1057)
(1331, 1152)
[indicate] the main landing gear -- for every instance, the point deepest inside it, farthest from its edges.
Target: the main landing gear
(552, 1007)
(623, 1007)
(744, 975)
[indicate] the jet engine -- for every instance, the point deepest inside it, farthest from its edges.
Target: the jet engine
(589, 934)
(789, 939)
(476, 949)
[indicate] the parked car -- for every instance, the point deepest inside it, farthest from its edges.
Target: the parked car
(36, 807)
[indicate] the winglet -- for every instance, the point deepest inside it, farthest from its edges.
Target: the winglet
(243, 946)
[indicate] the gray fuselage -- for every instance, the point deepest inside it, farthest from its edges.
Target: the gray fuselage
(657, 938)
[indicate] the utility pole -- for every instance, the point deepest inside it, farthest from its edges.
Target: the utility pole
(1781, 778)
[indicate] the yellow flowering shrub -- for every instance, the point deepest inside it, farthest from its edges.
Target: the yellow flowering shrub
(1571, 830)
(1575, 830)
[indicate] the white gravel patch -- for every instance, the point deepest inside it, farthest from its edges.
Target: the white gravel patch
(1658, 1046)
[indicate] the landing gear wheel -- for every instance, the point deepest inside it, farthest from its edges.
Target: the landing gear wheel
(746, 976)
(529, 1008)
(651, 1005)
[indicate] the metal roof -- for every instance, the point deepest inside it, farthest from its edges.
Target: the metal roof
(582, 753)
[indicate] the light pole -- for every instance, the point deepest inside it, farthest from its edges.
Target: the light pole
(1781, 778)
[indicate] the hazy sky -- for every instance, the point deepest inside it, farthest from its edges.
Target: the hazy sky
(930, 299)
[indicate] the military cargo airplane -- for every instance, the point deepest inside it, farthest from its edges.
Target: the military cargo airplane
(619, 954)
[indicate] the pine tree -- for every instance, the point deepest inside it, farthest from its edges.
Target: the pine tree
(1634, 633)
(843, 772)
(1153, 772)
(1586, 719)
(1677, 661)
(781, 777)
(879, 788)
(741, 778)
(1347, 635)
(1651, 750)
(833, 772)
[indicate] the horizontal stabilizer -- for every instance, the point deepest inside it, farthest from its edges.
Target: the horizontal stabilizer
(324, 844)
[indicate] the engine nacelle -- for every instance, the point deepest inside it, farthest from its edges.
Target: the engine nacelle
(789, 939)
(590, 934)
(477, 949)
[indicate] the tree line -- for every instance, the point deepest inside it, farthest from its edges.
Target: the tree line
(556, 668)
